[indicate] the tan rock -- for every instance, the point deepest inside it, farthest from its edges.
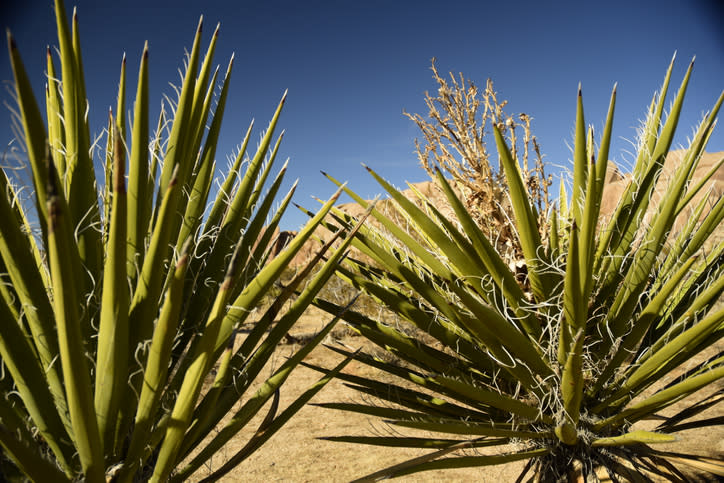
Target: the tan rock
(615, 184)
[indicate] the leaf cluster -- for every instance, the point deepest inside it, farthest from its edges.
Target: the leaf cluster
(563, 365)
(132, 291)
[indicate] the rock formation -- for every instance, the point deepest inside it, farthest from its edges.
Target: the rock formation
(615, 184)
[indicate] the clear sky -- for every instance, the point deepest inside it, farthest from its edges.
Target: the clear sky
(352, 67)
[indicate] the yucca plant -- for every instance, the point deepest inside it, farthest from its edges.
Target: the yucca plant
(116, 311)
(565, 375)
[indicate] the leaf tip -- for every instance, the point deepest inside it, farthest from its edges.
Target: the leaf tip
(336, 195)
(174, 176)
(185, 250)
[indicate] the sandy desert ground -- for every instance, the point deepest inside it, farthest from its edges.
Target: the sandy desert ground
(295, 454)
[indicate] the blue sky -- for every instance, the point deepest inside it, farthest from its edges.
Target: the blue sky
(352, 67)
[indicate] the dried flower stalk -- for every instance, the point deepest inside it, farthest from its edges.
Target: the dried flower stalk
(454, 140)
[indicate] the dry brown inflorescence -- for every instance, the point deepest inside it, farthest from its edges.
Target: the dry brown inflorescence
(454, 141)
